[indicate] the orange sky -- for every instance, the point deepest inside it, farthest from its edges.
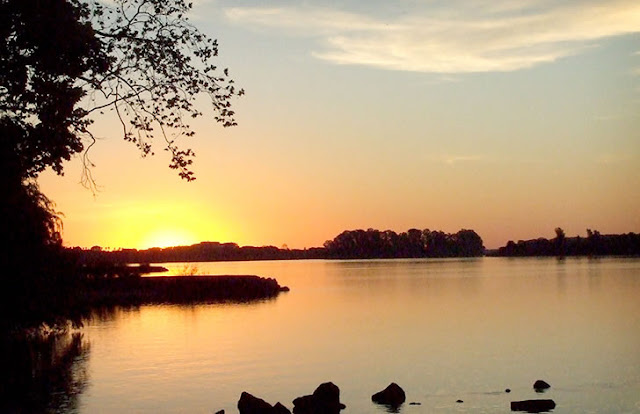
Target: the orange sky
(508, 121)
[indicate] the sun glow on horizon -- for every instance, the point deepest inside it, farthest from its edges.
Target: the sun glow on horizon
(168, 238)
(528, 120)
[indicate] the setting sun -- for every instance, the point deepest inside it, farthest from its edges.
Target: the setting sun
(168, 238)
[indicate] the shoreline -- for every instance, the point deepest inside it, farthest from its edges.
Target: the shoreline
(180, 290)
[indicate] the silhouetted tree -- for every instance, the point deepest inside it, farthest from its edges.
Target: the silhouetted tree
(415, 247)
(358, 244)
(141, 59)
(469, 243)
(437, 242)
(594, 241)
(62, 62)
(559, 242)
(594, 244)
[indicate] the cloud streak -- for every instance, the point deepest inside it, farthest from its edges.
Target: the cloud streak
(505, 36)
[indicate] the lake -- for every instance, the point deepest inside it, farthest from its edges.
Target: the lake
(443, 329)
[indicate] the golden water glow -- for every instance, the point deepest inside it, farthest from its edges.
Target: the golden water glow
(480, 324)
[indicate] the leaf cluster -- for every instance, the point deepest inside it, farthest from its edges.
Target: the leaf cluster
(160, 63)
(64, 61)
(46, 46)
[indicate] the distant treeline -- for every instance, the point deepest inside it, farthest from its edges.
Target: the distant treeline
(201, 252)
(352, 244)
(374, 244)
(595, 244)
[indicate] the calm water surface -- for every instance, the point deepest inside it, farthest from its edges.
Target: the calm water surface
(442, 329)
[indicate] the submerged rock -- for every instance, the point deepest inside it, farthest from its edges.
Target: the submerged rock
(393, 396)
(533, 406)
(324, 400)
(541, 385)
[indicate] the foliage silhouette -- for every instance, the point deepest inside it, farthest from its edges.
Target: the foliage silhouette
(352, 244)
(62, 62)
(360, 244)
(594, 244)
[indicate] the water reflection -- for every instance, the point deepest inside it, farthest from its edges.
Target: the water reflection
(43, 373)
(443, 329)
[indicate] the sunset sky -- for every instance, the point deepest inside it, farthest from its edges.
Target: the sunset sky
(507, 117)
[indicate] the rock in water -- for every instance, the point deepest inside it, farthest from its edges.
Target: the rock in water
(328, 393)
(393, 396)
(304, 404)
(541, 385)
(324, 400)
(280, 409)
(248, 404)
(533, 406)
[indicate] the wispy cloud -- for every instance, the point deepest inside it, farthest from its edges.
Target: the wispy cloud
(461, 38)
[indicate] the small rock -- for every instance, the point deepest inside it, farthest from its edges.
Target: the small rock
(459, 401)
(393, 396)
(220, 412)
(541, 385)
(280, 409)
(248, 404)
(415, 403)
(533, 406)
(507, 390)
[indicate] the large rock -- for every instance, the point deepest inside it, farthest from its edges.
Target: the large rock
(324, 400)
(533, 406)
(393, 396)
(541, 386)
(248, 404)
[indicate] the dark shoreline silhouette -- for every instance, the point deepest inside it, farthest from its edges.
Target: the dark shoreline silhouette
(350, 244)
(66, 283)
(371, 244)
(595, 244)
(126, 291)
